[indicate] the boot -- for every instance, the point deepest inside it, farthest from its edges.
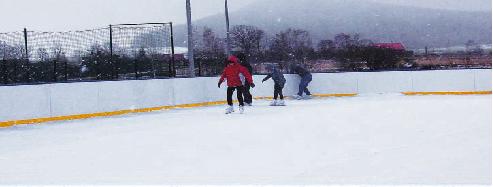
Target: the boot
(297, 97)
(281, 103)
(242, 109)
(230, 110)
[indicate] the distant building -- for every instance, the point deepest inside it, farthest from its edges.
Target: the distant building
(394, 46)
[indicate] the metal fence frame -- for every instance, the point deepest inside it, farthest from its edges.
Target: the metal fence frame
(26, 57)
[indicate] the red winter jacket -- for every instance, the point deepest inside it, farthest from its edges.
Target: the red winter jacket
(232, 73)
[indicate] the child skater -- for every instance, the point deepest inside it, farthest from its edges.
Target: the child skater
(306, 78)
(279, 82)
(247, 96)
(233, 73)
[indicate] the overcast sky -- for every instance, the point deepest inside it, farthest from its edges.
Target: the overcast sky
(57, 15)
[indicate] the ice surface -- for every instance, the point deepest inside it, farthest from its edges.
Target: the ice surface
(382, 139)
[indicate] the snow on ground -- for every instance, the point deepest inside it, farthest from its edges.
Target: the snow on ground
(382, 139)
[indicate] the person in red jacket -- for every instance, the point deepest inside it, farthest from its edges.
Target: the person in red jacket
(235, 75)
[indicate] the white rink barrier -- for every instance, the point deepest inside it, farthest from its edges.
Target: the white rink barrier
(30, 102)
(402, 81)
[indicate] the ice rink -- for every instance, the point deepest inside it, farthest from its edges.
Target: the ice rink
(372, 139)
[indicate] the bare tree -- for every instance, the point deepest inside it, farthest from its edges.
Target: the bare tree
(247, 38)
(342, 41)
(211, 53)
(345, 41)
(43, 54)
(326, 48)
(211, 44)
(291, 43)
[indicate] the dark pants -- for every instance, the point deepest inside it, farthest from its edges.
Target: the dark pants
(305, 80)
(247, 95)
(278, 91)
(239, 94)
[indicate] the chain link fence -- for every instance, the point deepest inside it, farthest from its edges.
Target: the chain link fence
(116, 52)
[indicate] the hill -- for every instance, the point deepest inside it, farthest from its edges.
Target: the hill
(413, 26)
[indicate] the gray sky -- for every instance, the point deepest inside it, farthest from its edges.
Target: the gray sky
(468, 5)
(57, 15)
(83, 14)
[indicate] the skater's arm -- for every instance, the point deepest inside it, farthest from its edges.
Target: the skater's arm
(247, 74)
(221, 80)
(267, 77)
(250, 69)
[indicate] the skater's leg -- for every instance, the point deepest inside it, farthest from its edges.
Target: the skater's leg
(276, 95)
(280, 91)
(230, 95)
(239, 94)
(308, 80)
(240, 91)
(305, 81)
(301, 88)
(303, 85)
(276, 92)
(278, 88)
(230, 91)
(247, 95)
(307, 92)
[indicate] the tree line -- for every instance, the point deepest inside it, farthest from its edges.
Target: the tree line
(97, 63)
(296, 46)
(289, 46)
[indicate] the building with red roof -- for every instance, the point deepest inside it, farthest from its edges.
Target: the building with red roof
(395, 46)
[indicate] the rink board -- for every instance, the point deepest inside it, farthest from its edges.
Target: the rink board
(31, 104)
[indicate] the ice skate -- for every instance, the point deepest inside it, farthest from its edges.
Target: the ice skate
(230, 110)
(308, 97)
(242, 109)
(273, 103)
(281, 103)
(297, 97)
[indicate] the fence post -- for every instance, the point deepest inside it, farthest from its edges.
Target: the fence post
(15, 77)
(191, 64)
(200, 67)
(96, 64)
(4, 64)
(115, 66)
(4, 70)
(135, 69)
(65, 63)
(172, 69)
(27, 56)
(54, 69)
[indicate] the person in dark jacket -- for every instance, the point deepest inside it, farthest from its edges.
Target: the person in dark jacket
(233, 73)
(306, 78)
(279, 82)
(246, 94)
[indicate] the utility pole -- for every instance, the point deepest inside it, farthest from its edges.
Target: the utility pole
(191, 64)
(27, 56)
(115, 67)
(228, 39)
(172, 70)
